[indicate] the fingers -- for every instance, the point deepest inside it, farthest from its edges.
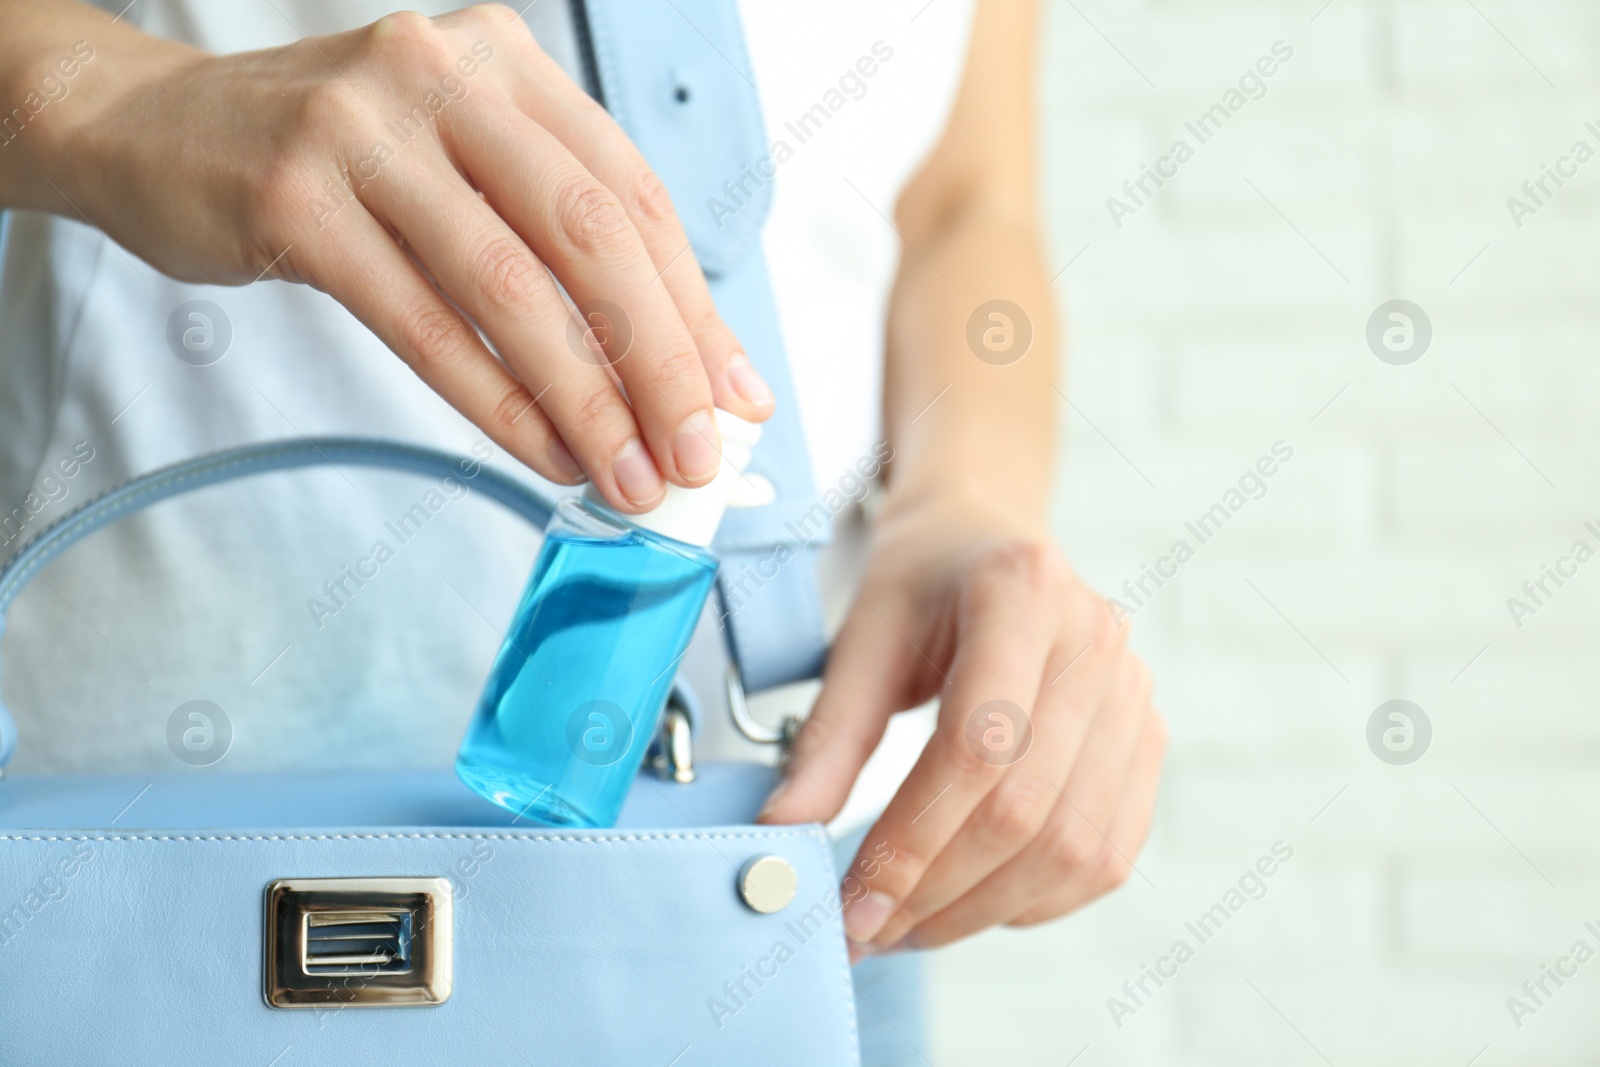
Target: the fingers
(639, 412)
(372, 277)
(1070, 858)
(542, 91)
(1005, 631)
(1125, 839)
(496, 279)
(577, 225)
(861, 688)
(1068, 734)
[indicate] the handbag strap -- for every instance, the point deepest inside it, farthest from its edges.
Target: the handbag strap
(192, 474)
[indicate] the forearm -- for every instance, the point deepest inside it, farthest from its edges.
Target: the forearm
(969, 408)
(979, 420)
(57, 60)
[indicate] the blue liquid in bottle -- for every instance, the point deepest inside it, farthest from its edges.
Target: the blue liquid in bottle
(575, 695)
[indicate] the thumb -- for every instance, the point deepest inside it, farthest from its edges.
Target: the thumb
(865, 675)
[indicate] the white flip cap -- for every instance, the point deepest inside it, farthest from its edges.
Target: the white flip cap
(693, 515)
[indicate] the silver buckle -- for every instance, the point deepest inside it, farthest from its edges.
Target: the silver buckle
(358, 942)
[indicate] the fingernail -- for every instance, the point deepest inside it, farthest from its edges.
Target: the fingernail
(773, 799)
(635, 473)
(864, 918)
(695, 448)
(565, 463)
(750, 386)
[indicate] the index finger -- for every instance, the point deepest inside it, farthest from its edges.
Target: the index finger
(1005, 632)
(541, 89)
(577, 226)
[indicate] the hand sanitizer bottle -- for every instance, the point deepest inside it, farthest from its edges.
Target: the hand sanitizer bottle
(575, 695)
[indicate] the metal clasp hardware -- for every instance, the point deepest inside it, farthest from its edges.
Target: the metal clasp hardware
(358, 942)
(672, 752)
(782, 735)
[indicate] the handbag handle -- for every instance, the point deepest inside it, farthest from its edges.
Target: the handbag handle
(191, 474)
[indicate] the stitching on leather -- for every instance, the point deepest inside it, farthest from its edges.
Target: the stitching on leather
(599, 839)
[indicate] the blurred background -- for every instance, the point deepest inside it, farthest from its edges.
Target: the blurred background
(1229, 312)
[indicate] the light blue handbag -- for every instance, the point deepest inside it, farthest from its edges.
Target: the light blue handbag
(395, 917)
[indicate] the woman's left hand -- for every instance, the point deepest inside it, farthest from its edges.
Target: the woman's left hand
(1037, 788)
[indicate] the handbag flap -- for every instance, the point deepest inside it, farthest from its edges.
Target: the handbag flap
(146, 946)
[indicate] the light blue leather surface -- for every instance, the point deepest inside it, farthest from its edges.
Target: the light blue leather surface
(144, 947)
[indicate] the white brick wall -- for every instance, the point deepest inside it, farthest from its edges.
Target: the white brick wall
(1203, 330)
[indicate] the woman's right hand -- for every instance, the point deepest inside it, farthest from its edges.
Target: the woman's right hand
(437, 177)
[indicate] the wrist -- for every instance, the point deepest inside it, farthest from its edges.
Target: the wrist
(69, 91)
(982, 452)
(962, 499)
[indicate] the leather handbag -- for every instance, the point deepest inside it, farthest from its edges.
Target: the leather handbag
(258, 919)
(148, 919)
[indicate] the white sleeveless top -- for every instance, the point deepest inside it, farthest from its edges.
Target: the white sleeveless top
(207, 598)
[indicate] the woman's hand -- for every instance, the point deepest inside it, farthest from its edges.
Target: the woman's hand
(1036, 791)
(437, 177)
